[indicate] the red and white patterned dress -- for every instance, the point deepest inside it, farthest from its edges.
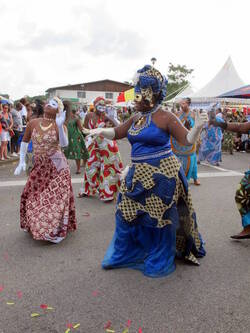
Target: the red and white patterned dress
(103, 168)
(47, 203)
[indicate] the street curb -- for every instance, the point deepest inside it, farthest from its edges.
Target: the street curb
(10, 161)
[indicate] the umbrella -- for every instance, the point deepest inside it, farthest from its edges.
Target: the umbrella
(242, 92)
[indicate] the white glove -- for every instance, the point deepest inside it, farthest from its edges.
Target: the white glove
(108, 133)
(22, 165)
(60, 118)
(124, 172)
(63, 137)
(200, 119)
(60, 104)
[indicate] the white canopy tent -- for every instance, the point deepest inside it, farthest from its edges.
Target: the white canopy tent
(226, 79)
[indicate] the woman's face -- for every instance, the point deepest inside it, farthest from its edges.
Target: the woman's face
(50, 110)
(5, 108)
(141, 105)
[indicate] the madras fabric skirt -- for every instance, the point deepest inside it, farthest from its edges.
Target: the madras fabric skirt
(47, 202)
(103, 170)
(155, 220)
(242, 198)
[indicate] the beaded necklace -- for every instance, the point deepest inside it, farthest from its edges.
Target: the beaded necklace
(141, 121)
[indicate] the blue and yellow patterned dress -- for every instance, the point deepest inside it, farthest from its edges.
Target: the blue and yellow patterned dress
(155, 219)
(186, 154)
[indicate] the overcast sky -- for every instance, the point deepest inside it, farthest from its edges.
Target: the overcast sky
(58, 42)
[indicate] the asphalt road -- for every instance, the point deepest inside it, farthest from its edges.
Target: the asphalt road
(214, 297)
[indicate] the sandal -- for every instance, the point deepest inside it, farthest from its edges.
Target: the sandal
(81, 195)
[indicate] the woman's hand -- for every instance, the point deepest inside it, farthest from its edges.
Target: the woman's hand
(108, 133)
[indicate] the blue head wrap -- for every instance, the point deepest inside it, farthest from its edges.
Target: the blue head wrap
(149, 82)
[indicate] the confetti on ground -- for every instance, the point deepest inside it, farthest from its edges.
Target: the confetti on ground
(140, 330)
(1, 288)
(86, 214)
(19, 294)
(10, 303)
(110, 330)
(129, 323)
(69, 325)
(95, 293)
(125, 331)
(107, 325)
(35, 315)
(50, 308)
(6, 257)
(67, 330)
(76, 326)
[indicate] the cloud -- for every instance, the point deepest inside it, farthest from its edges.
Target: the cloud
(107, 38)
(48, 38)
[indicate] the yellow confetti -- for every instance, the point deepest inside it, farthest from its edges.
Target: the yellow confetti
(110, 331)
(49, 308)
(10, 303)
(125, 331)
(76, 326)
(67, 330)
(35, 315)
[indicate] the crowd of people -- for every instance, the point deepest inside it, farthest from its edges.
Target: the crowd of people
(155, 218)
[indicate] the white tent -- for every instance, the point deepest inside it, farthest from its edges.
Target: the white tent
(227, 79)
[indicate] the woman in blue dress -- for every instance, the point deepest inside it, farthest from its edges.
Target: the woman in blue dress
(186, 153)
(155, 218)
(211, 138)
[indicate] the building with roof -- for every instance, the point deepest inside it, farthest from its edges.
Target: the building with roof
(86, 93)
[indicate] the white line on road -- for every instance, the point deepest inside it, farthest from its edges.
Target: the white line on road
(228, 173)
(214, 166)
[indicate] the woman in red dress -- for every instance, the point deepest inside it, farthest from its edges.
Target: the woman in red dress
(47, 203)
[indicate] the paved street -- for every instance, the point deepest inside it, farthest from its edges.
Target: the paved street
(212, 298)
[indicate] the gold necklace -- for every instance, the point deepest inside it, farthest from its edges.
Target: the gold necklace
(45, 128)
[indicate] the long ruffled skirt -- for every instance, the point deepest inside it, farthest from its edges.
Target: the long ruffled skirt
(155, 220)
(47, 202)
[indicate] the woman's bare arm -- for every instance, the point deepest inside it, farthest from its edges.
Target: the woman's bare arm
(242, 128)
(171, 124)
(29, 129)
(122, 130)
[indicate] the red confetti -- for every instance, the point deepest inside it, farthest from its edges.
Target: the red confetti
(129, 323)
(95, 293)
(43, 306)
(86, 214)
(19, 294)
(1, 288)
(69, 325)
(107, 325)
(6, 257)
(140, 330)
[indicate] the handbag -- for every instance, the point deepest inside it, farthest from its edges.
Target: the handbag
(11, 133)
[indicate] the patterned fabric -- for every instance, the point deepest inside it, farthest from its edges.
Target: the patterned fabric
(242, 199)
(103, 168)
(47, 202)
(210, 148)
(186, 154)
(155, 219)
(228, 142)
(150, 81)
(76, 149)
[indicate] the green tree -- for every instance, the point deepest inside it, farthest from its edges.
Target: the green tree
(178, 78)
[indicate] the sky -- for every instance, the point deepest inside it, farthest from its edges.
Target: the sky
(48, 43)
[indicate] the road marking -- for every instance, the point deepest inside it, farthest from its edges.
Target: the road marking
(229, 173)
(214, 166)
